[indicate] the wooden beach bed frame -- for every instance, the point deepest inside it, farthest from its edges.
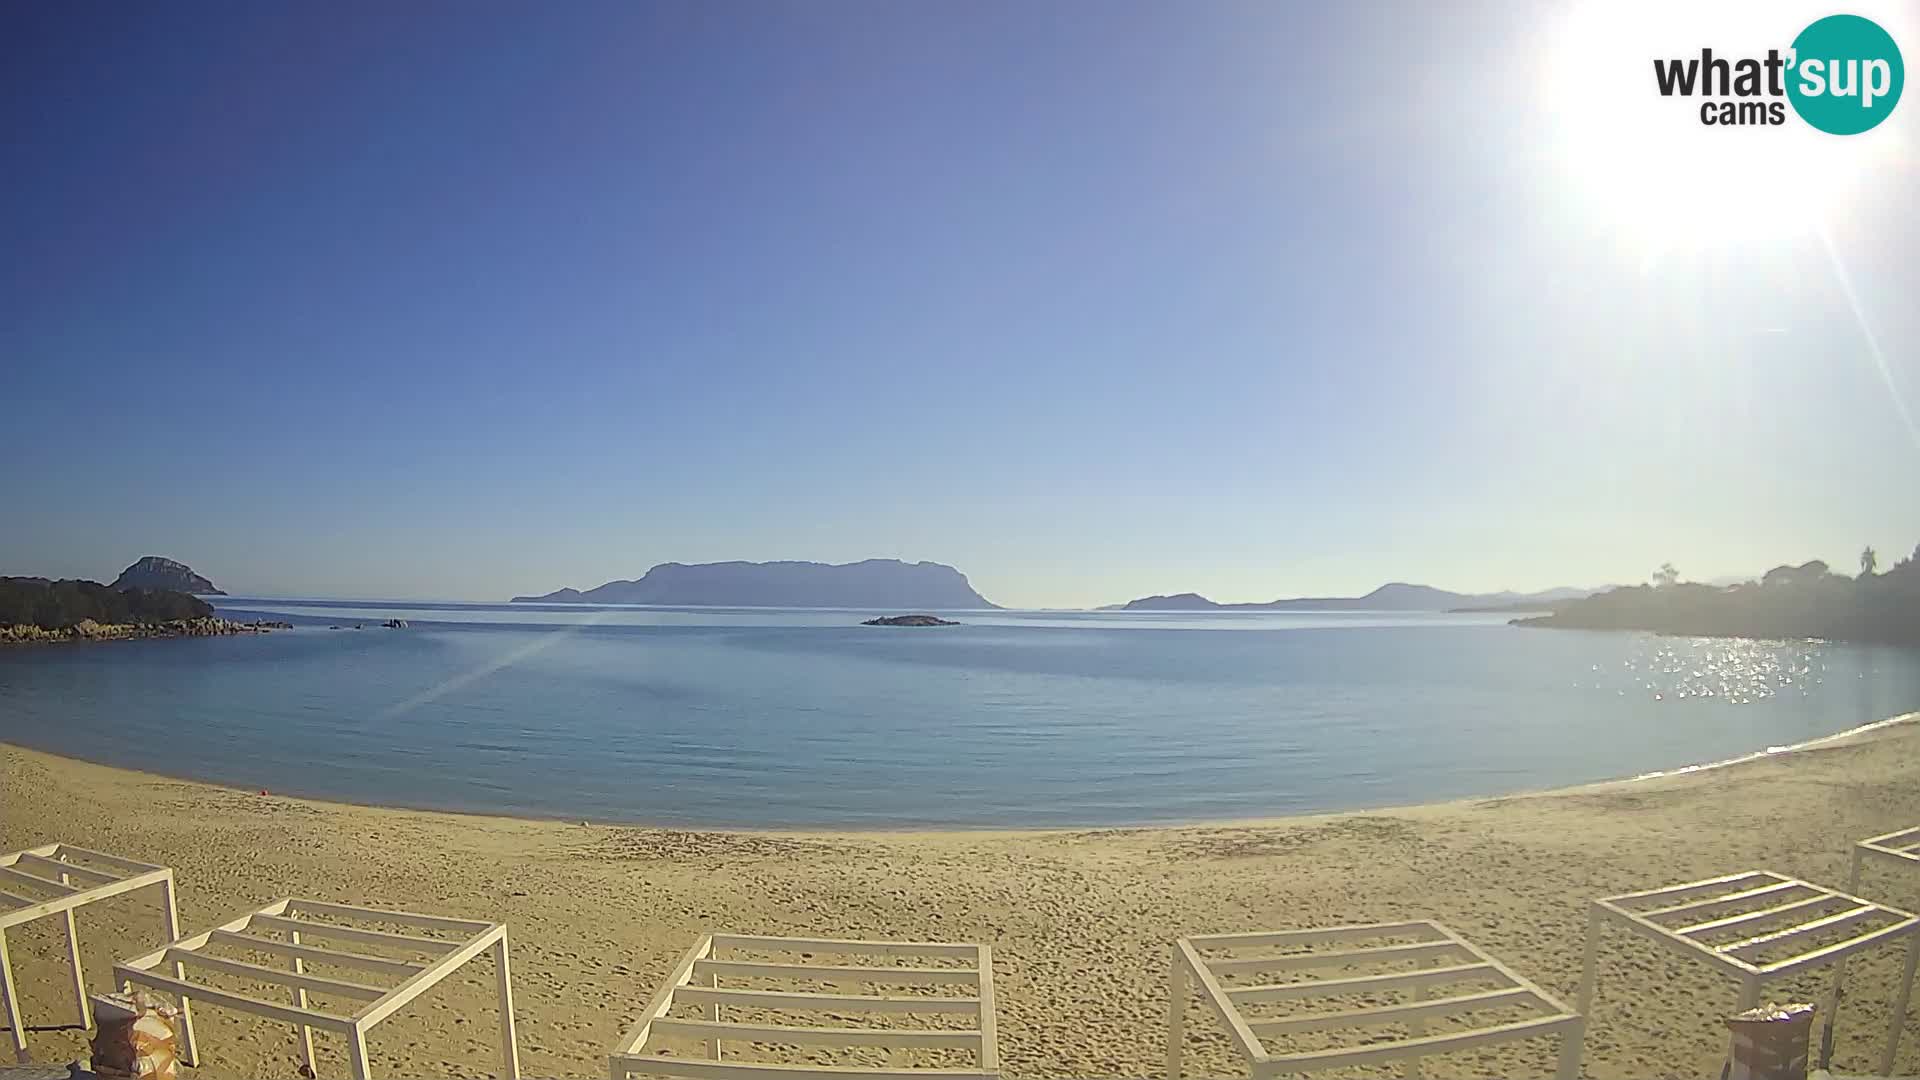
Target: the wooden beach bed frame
(1754, 913)
(1901, 848)
(696, 980)
(293, 919)
(1440, 955)
(75, 877)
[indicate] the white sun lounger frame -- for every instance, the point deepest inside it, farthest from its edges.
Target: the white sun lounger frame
(76, 877)
(1461, 961)
(1902, 848)
(381, 1002)
(697, 979)
(1695, 899)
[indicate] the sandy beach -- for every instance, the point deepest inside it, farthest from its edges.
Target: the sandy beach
(1080, 921)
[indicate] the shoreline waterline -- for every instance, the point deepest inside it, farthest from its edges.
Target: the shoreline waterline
(1839, 738)
(1773, 751)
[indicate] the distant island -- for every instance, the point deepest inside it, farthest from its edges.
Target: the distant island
(909, 620)
(156, 572)
(874, 583)
(1394, 596)
(39, 610)
(1805, 601)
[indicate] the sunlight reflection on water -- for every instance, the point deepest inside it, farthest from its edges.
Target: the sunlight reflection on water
(1725, 670)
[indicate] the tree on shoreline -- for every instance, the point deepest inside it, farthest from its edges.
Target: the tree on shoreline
(1805, 601)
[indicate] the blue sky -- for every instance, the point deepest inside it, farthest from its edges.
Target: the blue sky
(1091, 300)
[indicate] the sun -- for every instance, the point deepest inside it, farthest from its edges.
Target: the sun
(1647, 171)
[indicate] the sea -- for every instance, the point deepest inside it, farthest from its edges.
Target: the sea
(780, 718)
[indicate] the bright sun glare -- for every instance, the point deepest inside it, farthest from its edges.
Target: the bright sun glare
(1646, 169)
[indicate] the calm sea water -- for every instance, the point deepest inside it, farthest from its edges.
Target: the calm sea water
(789, 718)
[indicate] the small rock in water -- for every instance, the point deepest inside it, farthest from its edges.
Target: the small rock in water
(909, 620)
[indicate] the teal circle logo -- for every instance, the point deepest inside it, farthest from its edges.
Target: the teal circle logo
(1847, 74)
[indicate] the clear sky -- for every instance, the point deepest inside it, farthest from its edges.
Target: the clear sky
(1091, 299)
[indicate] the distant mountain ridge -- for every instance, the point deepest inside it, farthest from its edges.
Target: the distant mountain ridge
(1393, 596)
(873, 583)
(157, 572)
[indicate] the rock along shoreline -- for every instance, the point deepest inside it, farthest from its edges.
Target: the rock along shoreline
(88, 630)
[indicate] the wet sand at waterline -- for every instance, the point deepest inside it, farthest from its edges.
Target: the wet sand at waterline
(1080, 921)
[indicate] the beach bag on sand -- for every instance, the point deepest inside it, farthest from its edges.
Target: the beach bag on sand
(1769, 1043)
(136, 1035)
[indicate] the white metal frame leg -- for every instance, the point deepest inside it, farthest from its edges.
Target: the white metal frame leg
(1176, 1013)
(1573, 1044)
(79, 975)
(1855, 866)
(1900, 1003)
(509, 1046)
(73, 957)
(188, 1053)
(12, 995)
(357, 1052)
(1834, 998)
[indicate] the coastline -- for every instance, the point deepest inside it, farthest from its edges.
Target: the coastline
(89, 631)
(1862, 731)
(1079, 919)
